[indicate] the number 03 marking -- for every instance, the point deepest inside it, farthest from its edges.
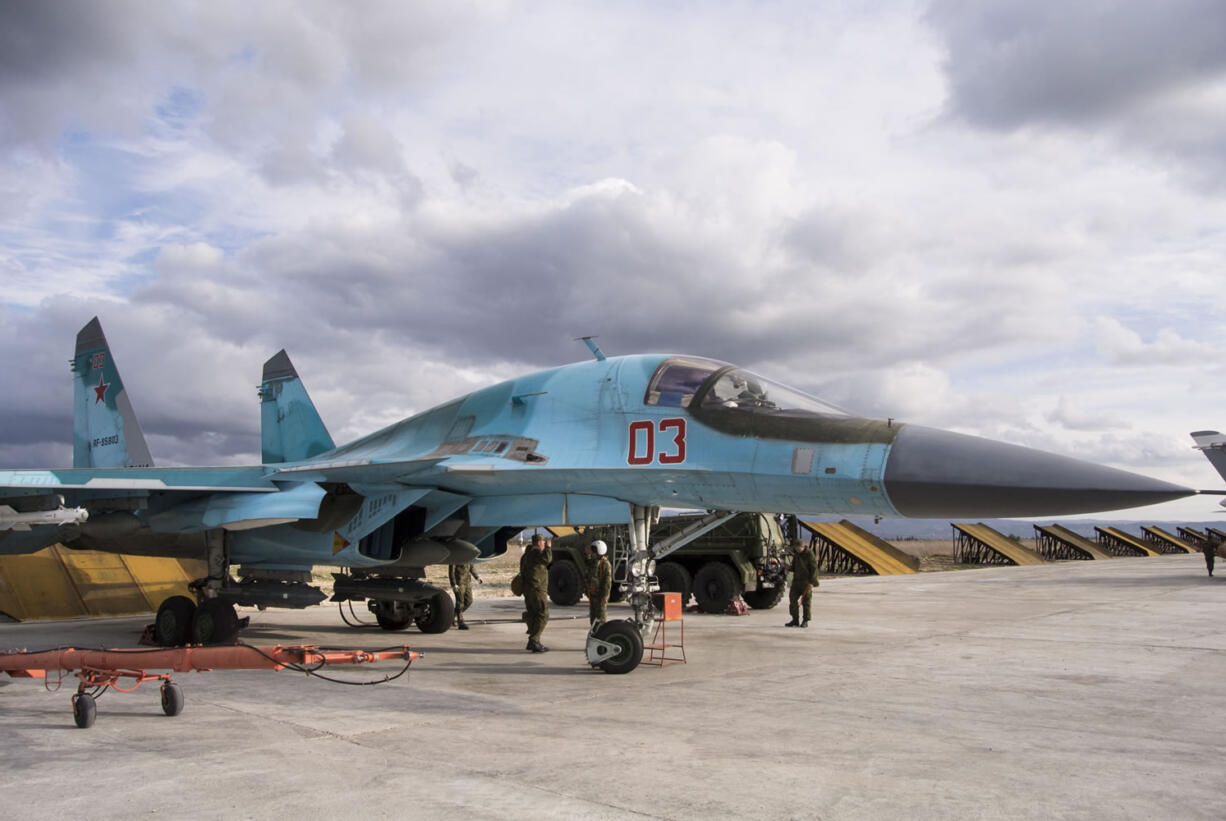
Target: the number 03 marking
(643, 442)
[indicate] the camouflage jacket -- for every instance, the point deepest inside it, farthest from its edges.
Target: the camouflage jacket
(534, 569)
(460, 576)
(600, 579)
(804, 569)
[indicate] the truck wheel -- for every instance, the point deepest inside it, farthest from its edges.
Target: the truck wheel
(715, 586)
(674, 578)
(627, 637)
(763, 599)
(393, 615)
(440, 613)
(565, 583)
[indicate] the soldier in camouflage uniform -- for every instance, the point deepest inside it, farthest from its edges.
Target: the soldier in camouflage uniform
(461, 577)
(804, 579)
(534, 571)
(599, 583)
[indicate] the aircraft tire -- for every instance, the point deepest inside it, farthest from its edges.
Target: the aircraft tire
(393, 615)
(764, 599)
(626, 636)
(565, 583)
(84, 710)
(715, 586)
(674, 578)
(439, 614)
(173, 624)
(172, 698)
(215, 622)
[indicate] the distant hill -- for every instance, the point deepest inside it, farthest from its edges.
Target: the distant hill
(940, 528)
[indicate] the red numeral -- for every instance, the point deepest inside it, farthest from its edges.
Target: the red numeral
(678, 454)
(647, 453)
(643, 442)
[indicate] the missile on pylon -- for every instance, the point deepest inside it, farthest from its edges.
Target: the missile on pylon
(12, 520)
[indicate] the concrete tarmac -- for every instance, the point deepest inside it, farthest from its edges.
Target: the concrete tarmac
(1071, 690)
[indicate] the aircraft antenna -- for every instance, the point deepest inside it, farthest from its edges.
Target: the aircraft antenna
(593, 347)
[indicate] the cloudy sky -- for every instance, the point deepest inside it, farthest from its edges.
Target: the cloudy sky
(1003, 218)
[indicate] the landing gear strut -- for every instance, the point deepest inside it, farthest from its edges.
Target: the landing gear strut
(211, 619)
(617, 646)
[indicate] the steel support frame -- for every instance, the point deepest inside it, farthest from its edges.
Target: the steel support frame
(1115, 547)
(969, 550)
(1054, 549)
(834, 560)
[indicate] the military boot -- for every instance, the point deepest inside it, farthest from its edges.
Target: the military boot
(792, 623)
(460, 625)
(804, 623)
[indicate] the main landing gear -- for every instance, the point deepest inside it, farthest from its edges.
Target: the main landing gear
(209, 619)
(181, 621)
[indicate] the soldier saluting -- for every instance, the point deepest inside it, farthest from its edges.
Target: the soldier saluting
(534, 574)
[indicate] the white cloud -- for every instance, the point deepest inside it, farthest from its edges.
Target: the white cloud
(416, 200)
(1121, 345)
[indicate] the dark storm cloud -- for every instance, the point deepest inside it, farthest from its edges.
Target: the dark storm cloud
(60, 63)
(40, 42)
(601, 262)
(1010, 64)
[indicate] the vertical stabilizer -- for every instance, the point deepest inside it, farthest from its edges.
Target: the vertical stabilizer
(105, 433)
(1213, 445)
(290, 427)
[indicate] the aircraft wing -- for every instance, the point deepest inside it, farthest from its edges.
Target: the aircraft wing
(373, 471)
(196, 480)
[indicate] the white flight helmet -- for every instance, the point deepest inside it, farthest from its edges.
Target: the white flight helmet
(600, 547)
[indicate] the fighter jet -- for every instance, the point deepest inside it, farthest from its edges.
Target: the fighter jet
(604, 440)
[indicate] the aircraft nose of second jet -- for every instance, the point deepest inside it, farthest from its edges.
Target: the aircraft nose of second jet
(936, 473)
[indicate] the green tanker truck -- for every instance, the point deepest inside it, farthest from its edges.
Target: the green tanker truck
(745, 556)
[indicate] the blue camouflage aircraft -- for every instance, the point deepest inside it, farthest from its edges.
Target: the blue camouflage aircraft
(599, 441)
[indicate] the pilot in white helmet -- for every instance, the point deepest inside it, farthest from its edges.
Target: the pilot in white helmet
(600, 583)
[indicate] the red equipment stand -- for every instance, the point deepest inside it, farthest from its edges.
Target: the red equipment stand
(100, 669)
(658, 651)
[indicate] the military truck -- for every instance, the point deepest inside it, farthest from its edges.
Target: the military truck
(745, 556)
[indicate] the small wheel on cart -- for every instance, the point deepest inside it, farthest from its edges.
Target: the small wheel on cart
(84, 710)
(172, 698)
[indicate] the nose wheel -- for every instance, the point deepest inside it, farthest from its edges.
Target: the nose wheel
(615, 647)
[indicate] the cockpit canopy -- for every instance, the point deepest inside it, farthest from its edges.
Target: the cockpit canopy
(704, 385)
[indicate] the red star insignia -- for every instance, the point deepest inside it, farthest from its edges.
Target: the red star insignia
(100, 390)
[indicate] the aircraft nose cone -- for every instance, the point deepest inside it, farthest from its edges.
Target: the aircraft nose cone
(935, 473)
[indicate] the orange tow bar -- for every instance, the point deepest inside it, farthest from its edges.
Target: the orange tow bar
(99, 669)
